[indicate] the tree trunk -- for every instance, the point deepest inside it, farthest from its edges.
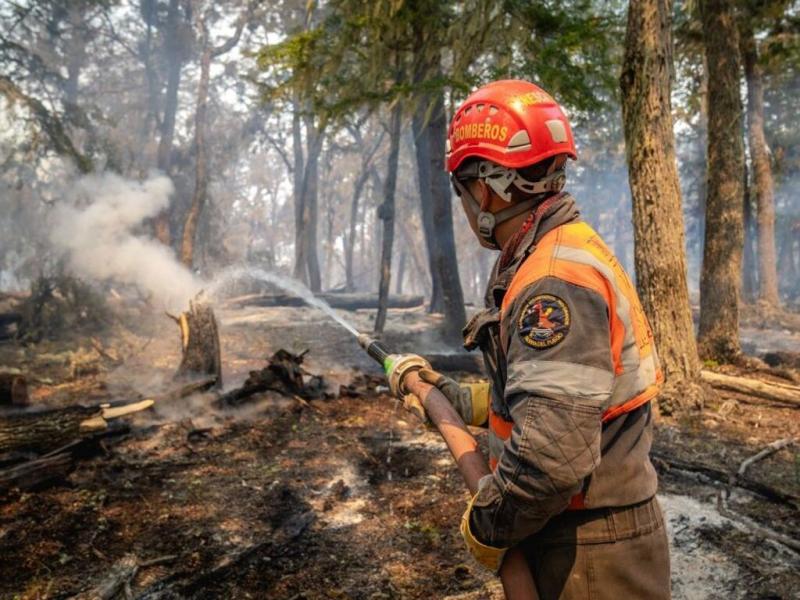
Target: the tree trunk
(306, 262)
(299, 174)
(659, 250)
(446, 260)
(386, 212)
(174, 66)
(401, 273)
(423, 160)
(311, 207)
(350, 242)
(749, 268)
(201, 152)
(722, 253)
(201, 158)
(762, 173)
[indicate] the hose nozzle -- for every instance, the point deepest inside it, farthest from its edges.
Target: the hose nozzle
(374, 348)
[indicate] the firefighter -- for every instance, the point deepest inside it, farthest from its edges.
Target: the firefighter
(572, 365)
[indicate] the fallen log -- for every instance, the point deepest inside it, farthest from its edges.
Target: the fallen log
(283, 374)
(783, 393)
(45, 430)
(665, 464)
(783, 358)
(36, 473)
(13, 389)
(756, 528)
(769, 450)
(343, 301)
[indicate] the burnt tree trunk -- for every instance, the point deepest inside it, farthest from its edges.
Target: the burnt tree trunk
(659, 250)
(423, 159)
(175, 38)
(200, 121)
(720, 277)
(386, 213)
(306, 263)
(762, 172)
(455, 315)
(199, 344)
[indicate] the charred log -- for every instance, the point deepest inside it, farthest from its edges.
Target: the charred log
(45, 430)
(36, 473)
(283, 374)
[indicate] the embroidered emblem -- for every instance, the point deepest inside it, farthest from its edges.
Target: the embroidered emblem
(544, 321)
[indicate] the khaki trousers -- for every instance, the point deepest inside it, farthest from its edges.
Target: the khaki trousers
(607, 553)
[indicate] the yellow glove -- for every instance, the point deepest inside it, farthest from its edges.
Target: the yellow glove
(471, 400)
(489, 556)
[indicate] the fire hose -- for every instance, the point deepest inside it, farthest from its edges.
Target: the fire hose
(403, 373)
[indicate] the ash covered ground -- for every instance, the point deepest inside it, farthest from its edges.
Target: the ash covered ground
(344, 497)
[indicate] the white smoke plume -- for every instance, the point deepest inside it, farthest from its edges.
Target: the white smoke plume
(99, 230)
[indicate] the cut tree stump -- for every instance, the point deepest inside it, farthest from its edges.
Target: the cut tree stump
(786, 394)
(13, 389)
(199, 344)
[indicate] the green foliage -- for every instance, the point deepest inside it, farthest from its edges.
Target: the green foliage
(363, 54)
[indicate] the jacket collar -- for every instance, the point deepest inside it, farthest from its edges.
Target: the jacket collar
(555, 211)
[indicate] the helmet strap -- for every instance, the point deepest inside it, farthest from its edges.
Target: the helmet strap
(487, 222)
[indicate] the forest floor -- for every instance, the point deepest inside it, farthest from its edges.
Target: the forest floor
(346, 497)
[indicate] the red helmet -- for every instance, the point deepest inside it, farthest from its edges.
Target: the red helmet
(512, 123)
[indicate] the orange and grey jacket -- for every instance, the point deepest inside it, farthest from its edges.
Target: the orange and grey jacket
(573, 367)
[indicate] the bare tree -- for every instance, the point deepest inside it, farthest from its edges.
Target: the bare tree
(209, 52)
(386, 213)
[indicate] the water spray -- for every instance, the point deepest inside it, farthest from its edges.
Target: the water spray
(402, 371)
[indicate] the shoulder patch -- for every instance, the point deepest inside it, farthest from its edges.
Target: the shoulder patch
(544, 321)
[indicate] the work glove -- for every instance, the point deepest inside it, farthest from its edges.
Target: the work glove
(489, 556)
(471, 400)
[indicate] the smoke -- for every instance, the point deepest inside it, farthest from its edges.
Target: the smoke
(98, 230)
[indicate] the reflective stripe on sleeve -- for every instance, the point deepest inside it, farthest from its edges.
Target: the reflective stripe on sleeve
(552, 377)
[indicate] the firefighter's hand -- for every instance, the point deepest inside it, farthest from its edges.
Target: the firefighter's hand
(471, 400)
(489, 556)
(413, 405)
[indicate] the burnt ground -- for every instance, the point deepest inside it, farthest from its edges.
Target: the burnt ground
(347, 497)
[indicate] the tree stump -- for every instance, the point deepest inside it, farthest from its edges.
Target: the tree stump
(13, 389)
(199, 344)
